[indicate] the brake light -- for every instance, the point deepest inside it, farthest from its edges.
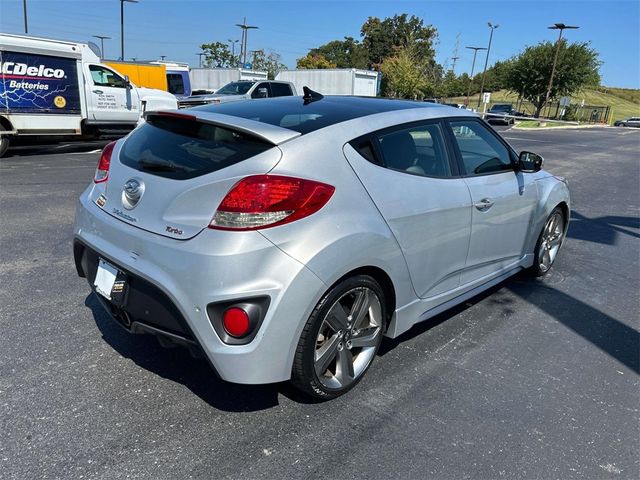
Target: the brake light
(102, 172)
(262, 201)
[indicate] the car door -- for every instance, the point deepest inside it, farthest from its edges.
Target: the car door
(503, 200)
(108, 96)
(408, 173)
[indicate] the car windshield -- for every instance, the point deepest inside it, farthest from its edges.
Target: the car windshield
(235, 88)
(501, 108)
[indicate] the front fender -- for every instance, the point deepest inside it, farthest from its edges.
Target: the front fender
(552, 191)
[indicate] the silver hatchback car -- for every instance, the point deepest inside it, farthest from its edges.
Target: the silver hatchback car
(283, 238)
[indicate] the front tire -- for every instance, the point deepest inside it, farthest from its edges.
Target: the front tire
(340, 339)
(549, 243)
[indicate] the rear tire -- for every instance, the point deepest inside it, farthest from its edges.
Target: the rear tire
(340, 339)
(4, 142)
(549, 243)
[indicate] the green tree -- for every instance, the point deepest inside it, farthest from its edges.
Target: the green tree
(452, 86)
(529, 72)
(381, 38)
(271, 62)
(314, 61)
(347, 53)
(217, 54)
(404, 76)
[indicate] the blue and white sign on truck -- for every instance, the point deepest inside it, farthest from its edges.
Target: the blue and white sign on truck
(54, 88)
(38, 83)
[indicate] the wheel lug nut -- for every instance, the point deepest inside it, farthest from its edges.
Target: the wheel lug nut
(340, 346)
(349, 344)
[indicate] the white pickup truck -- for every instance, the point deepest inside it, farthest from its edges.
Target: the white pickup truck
(242, 90)
(53, 88)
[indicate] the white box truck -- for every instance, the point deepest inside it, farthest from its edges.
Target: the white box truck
(208, 80)
(54, 88)
(334, 81)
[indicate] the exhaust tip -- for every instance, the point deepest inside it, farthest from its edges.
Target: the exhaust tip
(125, 318)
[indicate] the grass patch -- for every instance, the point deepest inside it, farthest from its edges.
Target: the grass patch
(624, 102)
(536, 124)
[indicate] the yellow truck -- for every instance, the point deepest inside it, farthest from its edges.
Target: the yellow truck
(142, 74)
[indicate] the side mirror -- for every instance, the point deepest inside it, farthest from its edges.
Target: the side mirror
(530, 162)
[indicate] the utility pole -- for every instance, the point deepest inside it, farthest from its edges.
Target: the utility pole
(200, 58)
(455, 57)
(561, 27)
(122, 26)
(24, 9)
(453, 66)
(102, 39)
(475, 52)
(486, 61)
(245, 31)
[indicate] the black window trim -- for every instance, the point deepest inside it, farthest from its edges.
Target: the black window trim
(458, 156)
(371, 137)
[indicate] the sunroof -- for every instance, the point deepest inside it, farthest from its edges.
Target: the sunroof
(294, 114)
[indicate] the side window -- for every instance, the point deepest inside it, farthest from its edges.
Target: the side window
(480, 150)
(261, 91)
(103, 77)
(418, 150)
(281, 90)
(175, 83)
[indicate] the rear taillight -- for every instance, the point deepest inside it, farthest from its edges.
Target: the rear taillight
(102, 172)
(262, 201)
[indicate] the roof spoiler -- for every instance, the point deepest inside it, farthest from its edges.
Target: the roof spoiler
(269, 133)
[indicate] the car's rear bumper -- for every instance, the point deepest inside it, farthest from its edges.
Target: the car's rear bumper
(170, 284)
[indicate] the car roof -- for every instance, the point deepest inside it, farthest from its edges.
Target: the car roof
(303, 116)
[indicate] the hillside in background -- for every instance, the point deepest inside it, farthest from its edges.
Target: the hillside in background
(625, 102)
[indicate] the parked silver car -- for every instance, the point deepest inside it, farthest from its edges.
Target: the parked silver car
(285, 237)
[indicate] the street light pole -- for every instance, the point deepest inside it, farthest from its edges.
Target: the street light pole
(200, 58)
(122, 26)
(561, 27)
(24, 9)
(486, 60)
(473, 65)
(102, 39)
(233, 47)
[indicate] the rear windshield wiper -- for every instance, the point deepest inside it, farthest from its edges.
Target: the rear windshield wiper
(160, 166)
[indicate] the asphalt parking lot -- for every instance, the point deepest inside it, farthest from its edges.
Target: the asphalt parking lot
(537, 378)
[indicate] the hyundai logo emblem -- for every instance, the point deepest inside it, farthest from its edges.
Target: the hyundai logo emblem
(132, 192)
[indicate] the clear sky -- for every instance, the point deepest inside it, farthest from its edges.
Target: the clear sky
(176, 28)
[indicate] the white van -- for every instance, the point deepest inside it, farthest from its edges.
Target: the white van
(57, 88)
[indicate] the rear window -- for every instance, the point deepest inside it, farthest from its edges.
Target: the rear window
(178, 148)
(175, 83)
(281, 90)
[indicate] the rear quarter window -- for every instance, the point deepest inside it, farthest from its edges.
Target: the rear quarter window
(181, 149)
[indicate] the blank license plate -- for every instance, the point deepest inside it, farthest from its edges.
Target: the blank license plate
(105, 278)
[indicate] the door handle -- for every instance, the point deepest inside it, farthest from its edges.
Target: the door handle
(99, 92)
(484, 204)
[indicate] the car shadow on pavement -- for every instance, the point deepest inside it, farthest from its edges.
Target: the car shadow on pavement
(179, 366)
(602, 229)
(610, 335)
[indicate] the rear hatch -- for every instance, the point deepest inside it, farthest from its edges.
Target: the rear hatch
(171, 173)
